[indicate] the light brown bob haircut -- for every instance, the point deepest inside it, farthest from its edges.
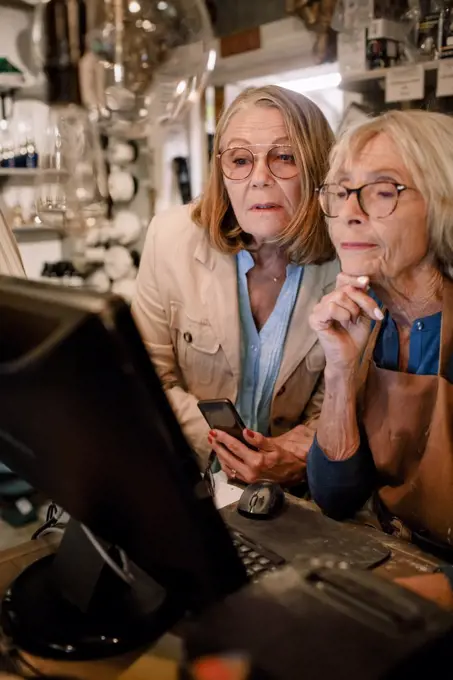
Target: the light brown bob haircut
(305, 238)
(424, 142)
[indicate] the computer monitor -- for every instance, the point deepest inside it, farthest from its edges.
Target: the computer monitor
(84, 419)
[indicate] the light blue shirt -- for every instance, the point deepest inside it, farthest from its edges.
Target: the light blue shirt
(261, 352)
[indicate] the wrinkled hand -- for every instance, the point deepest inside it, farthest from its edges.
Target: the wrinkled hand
(278, 459)
(297, 441)
(342, 321)
(434, 587)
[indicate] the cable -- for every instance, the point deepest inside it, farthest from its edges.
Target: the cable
(51, 511)
(124, 574)
(12, 659)
(51, 525)
(54, 514)
(57, 529)
(16, 654)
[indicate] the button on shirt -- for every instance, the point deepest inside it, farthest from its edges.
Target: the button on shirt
(424, 345)
(262, 351)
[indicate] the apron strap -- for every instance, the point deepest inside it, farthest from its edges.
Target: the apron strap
(446, 333)
(367, 358)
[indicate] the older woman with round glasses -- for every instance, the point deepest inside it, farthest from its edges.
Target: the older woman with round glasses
(226, 286)
(386, 425)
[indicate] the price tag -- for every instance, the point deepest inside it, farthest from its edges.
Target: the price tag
(405, 83)
(445, 78)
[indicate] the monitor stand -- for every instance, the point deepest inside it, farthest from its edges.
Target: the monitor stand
(72, 605)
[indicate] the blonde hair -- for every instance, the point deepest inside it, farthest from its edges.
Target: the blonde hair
(306, 237)
(424, 141)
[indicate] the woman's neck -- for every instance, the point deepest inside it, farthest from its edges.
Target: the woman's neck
(269, 255)
(412, 295)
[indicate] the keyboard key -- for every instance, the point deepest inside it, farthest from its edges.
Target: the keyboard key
(256, 559)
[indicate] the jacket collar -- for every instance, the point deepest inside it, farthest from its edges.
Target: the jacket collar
(220, 292)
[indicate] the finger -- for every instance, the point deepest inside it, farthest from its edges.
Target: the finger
(257, 439)
(228, 472)
(344, 297)
(230, 463)
(366, 303)
(361, 282)
(236, 447)
(331, 313)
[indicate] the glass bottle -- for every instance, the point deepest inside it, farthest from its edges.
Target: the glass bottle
(68, 185)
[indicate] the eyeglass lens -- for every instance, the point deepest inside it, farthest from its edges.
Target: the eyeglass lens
(376, 200)
(238, 163)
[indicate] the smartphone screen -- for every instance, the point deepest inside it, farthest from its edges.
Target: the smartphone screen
(220, 414)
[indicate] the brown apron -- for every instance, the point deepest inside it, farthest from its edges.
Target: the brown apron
(408, 420)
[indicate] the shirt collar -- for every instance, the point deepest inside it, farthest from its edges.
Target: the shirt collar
(246, 263)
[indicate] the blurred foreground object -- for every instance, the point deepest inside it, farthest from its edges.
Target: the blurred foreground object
(317, 16)
(71, 186)
(145, 62)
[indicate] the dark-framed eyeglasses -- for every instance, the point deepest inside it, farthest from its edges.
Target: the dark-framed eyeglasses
(376, 199)
(237, 163)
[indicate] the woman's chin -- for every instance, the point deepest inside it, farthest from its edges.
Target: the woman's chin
(358, 271)
(358, 266)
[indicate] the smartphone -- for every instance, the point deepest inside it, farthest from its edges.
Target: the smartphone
(221, 414)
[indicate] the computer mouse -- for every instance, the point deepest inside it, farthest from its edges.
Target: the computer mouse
(261, 500)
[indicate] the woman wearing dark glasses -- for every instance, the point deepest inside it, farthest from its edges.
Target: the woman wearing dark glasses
(226, 286)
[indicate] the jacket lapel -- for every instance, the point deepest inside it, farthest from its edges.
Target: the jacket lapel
(300, 337)
(219, 293)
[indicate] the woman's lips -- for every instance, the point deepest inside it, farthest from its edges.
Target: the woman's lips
(265, 207)
(357, 245)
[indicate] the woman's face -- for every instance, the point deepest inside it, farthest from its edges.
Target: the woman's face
(263, 204)
(380, 248)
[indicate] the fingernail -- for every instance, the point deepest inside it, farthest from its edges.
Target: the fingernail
(363, 280)
(212, 434)
(250, 434)
(378, 314)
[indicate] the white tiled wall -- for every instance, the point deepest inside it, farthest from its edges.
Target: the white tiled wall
(34, 254)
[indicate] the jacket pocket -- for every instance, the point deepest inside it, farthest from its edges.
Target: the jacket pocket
(196, 346)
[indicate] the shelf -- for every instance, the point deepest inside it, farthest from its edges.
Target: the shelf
(33, 232)
(36, 89)
(30, 173)
(370, 81)
(20, 4)
(31, 89)
(19, 172)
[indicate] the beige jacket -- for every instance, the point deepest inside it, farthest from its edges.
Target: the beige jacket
(186, 306)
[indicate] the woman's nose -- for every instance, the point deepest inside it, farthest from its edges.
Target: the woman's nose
(351, 209)
(261, 175)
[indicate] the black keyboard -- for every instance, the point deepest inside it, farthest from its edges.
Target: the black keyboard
(256, 559)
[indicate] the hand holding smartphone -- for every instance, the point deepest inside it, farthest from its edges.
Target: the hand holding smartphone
(220, 414)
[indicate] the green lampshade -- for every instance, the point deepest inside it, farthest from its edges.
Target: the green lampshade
(11, 77)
